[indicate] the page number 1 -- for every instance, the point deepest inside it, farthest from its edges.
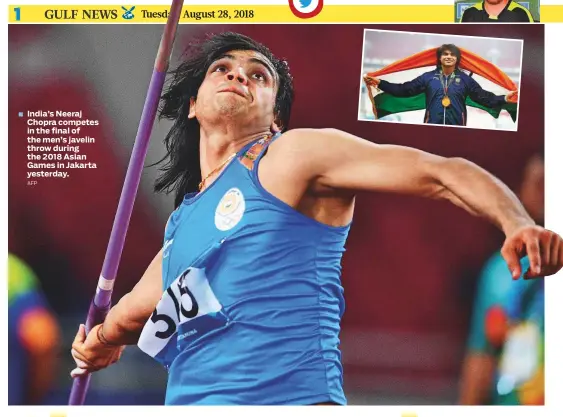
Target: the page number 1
(17, 11)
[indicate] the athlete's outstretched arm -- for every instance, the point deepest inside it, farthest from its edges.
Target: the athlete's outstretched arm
(123, 324)
(340, 161)
(407, 89)
(486, 98)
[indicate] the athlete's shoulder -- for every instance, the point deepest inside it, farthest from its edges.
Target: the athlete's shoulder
(302, 132)
(302, 139)
(462, 74)
(471, 14)
(294, 149)
(521, 14)
(306, 145)
(430, 74)
(466, 78)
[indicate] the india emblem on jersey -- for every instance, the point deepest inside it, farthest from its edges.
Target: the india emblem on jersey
(230, 210)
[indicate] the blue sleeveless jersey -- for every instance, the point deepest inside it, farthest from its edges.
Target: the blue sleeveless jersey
(274, 276)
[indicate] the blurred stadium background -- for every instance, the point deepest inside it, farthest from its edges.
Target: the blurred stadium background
(411, 265)
(382, 48)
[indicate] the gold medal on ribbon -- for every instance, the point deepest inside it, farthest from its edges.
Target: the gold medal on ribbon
(446, 101)
(446, 81)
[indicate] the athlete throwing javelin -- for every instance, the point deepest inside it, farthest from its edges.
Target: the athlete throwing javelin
(243, 303)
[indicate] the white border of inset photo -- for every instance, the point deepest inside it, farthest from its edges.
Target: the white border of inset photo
(476, 118)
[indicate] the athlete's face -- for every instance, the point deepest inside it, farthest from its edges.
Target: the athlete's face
(495, 2)
(448, 59)
(240, 86)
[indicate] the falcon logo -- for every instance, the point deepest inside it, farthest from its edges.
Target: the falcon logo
(128, 15)
(305, 9)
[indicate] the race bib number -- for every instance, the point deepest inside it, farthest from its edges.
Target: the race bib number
(187, 311)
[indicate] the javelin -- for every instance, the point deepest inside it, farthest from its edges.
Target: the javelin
(100, 305)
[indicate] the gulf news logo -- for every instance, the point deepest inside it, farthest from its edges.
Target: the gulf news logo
(126, 13)
(305, 9)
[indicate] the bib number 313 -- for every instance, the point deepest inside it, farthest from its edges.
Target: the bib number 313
(187, 310)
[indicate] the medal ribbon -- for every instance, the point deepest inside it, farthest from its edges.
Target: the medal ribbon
(446, 83)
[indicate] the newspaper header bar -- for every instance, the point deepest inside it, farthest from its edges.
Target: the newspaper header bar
(248, 13)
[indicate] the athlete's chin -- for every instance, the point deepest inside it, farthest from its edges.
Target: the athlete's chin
(230, 109)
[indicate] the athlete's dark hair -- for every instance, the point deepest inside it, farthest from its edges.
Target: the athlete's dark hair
(181, 172)
(448, 47)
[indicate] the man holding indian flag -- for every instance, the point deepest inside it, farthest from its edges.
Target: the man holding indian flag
(443, 92)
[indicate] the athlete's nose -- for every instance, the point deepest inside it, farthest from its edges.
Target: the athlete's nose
(237, 75)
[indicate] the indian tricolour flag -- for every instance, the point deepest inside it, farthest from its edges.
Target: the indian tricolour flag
(489, 77)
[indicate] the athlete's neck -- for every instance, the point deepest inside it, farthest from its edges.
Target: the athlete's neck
(495, 9)
(216, 146)
(447, 70)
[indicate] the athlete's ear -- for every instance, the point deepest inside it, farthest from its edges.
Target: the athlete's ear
(191, 114)
(277, 125)
(275, 128)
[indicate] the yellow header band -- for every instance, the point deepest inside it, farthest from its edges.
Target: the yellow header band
(247, 14)
(228, 14)
(551, 13)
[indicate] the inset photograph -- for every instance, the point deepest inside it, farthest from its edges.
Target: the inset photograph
(497, 11)
(449, 80)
